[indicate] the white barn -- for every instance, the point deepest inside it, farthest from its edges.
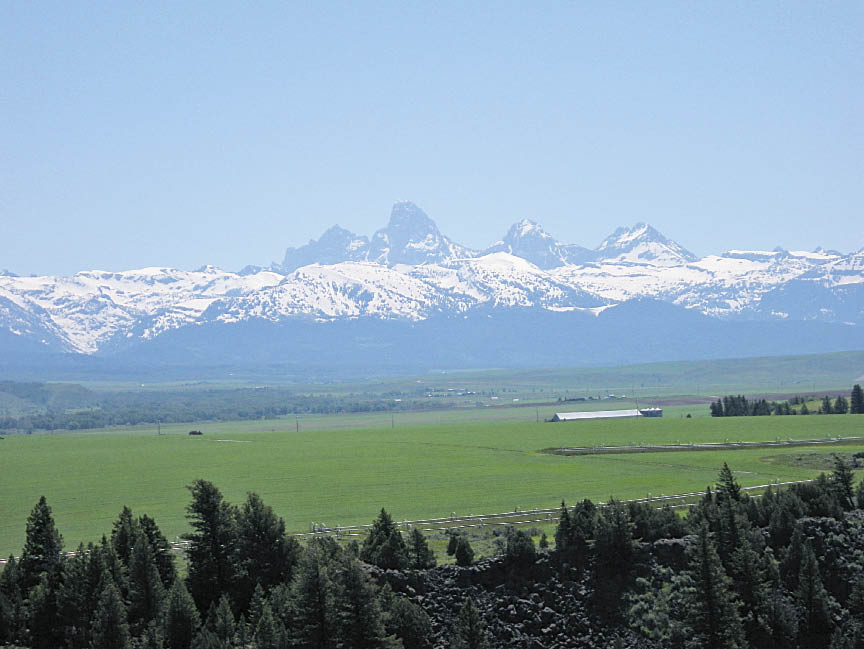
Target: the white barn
(608, 414)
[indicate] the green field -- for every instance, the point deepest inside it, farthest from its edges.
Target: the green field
(345, 474)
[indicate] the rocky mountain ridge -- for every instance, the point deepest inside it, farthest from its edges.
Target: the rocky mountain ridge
(410, 272)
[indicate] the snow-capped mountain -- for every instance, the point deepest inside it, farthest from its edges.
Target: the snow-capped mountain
(642, 244)
(526, 239)
(409, 272)
(410, 238)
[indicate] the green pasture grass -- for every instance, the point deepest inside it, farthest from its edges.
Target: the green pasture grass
(345, 475)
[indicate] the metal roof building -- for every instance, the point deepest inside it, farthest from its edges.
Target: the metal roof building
(608, 414)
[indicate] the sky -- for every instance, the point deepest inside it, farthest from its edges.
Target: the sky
(183, 134)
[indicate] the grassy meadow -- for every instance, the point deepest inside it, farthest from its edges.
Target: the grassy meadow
(417, 465)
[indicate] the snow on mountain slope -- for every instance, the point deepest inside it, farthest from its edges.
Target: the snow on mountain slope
(642, 244)
(410, 271)
(91, 307)
(526, 239)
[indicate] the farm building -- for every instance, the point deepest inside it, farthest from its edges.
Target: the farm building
(608, 414)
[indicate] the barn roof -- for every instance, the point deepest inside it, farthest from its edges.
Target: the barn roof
(597, 414)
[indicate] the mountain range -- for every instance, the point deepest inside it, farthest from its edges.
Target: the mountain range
(409, 295)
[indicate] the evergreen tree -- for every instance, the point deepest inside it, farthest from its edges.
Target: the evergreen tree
(544, 542)
(843, 481)
(357, 610)
(464, 552)
(256, 607)
(804, 409)
(42, 548)
(109, 629)
(815, 624)
(10, 600)
(420, 555)
(614, 557)
(404, 619)
(712, 618)
(312, 596)
(146, 593)
(267, 632)
(211, 545)
(384, 546)
(220, 622)
(40, 614)
(124, 534)
(841, 405)
(827, 408)
(181, 618)
(856, 401)
(264, 554)
(161, 550)
(575, 529)
(790, 566)
(77, 597)
(469, 632)
(453, 539)
(519, 550)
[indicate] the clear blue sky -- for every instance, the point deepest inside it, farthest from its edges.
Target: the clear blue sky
(147, 133)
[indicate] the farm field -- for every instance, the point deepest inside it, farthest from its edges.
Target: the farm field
(344, 475)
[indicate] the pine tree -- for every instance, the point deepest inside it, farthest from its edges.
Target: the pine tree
(181, 618)
(109, 629)
(161, 550)
(841, 405)
(804, 409)
(711, 613)
(211, 546)
(146, 593)
(421, 556)
(384, 546)
(843, 481)
(357, 609)
(124, 534)
(404, 619)
(267, 632)
(856, 401)
(614, 552)
(827, 408)
(42, 548)
(812, 600)
(264, 554)
(222, 623)
(312, 594)
(10, 599)
(78, 596)
(464, 552)
(469, 632)
(40, 614)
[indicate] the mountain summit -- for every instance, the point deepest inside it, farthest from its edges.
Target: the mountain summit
(528, 240)
(641, 243)
(412, 238)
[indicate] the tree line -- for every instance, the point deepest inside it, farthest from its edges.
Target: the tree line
(740, 406)
(782, 570)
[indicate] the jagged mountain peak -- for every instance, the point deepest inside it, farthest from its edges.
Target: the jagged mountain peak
(625, 236)
(412, 238)
(642, 243)
(407, 216)
(527, 239)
